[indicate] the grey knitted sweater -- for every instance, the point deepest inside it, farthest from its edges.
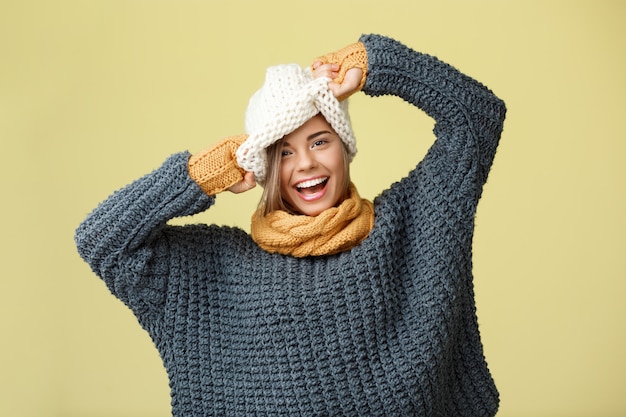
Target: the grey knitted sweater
(386, 329)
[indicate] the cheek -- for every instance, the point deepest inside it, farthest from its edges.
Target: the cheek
(338, 164)
(284, 176)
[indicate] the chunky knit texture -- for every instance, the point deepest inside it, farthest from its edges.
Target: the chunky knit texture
(215, 169)
(289, 97)
(387, 328)
(348, 57)
(334, 230)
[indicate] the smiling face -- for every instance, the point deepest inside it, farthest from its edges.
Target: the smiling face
(313, 169)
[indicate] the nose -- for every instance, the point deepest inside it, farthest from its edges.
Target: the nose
(305, 160)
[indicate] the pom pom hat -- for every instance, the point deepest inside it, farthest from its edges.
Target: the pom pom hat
(289, 97)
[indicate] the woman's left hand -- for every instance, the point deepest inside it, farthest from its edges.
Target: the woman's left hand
(340, 88)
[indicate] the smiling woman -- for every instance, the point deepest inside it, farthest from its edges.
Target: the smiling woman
(313, 170)
(328, 307)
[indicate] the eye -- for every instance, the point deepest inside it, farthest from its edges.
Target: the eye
(320, 142)
(285, 152)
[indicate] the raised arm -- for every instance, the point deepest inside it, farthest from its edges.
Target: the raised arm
(122, 239)
(468, 116)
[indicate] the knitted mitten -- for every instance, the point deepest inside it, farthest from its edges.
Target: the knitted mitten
(215, 169)
(351, 56)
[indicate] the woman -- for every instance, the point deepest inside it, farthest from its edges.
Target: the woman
(333, 306)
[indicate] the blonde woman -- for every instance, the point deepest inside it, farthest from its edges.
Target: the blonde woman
(333, 305)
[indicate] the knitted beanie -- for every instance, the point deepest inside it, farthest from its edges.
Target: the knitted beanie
(289, 97)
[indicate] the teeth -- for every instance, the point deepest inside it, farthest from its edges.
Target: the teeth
(311, 183)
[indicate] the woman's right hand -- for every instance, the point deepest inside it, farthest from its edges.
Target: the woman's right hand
(247, 183)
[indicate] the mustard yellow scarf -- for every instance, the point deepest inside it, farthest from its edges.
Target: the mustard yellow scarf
(334, 230)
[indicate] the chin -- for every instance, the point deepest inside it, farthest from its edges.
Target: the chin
(311, 209)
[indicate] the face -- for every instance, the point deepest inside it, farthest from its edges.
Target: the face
(312, 169)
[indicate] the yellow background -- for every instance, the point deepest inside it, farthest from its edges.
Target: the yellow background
(95, 93)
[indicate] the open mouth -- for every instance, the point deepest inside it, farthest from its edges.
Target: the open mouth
(312, 187)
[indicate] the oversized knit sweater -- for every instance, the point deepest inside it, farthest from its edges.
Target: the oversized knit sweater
(387, 328)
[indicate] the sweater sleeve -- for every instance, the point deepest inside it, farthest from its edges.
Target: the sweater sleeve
(124, 239)
(468, 116)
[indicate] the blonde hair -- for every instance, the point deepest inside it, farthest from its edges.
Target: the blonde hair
(272, 198)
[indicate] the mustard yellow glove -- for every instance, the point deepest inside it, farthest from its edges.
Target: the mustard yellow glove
(215, 168)
(351, 56)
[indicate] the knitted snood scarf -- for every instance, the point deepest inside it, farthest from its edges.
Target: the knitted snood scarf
(334, 230)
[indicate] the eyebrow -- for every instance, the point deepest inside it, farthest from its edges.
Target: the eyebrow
(316, 134)
(311, 136)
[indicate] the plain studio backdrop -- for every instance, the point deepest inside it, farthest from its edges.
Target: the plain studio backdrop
(95, 93)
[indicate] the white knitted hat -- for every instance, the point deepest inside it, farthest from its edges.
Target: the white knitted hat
(289, 97)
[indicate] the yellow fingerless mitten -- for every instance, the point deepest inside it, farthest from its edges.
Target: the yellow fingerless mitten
(351, 56)
(215, 169)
